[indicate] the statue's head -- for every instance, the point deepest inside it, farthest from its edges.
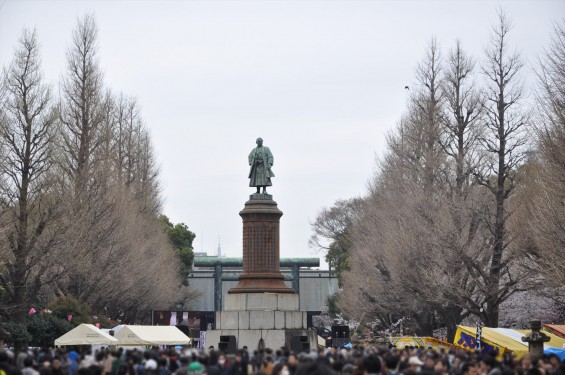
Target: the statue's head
(259, 141)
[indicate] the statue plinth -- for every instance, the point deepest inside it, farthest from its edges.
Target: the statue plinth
(261, 311)
(261, 254)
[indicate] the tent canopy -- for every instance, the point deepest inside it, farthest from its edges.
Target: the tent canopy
(426, 342)
(556, 329)
(501, 340)
(85, 334)
(151, 335)
(558, 352)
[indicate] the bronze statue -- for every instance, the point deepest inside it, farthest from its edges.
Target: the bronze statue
(261, 161)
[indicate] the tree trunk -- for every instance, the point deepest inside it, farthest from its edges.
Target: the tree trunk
(451, 316)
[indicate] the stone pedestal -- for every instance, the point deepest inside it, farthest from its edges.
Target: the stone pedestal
(261, 254)
(271, 318)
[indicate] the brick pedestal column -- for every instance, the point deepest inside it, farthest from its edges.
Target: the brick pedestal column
(261, 257)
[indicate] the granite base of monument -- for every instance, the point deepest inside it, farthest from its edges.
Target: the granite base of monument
(272, 320)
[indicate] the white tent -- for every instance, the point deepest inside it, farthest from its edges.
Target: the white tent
(85, 334)
(116, 329)
(151, 335)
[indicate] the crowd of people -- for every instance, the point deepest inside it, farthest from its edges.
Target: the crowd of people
(355, 361)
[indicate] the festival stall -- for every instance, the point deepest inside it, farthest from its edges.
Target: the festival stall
(151, 335)
(426, 342)
(85, 334)
(502, 340)
(555, 329)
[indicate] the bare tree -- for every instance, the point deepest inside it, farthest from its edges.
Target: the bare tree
(550, 212)
(397, 230)
(136, 269)
(134, 159)
(102, 243)
(81, 111)
(460, 225)
(27, 197)
(540, 222)
(504, 143)
(112, 177)
(431, 242)
(462, 128)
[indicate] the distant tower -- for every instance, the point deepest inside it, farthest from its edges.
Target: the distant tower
(219, 248)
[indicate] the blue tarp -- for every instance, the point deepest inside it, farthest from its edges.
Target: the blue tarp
(558, 352)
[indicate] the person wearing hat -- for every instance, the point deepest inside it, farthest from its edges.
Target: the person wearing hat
(150, 366)
(195, 368)
(415, 363)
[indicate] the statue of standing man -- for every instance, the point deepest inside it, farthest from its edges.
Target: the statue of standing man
(261, 161)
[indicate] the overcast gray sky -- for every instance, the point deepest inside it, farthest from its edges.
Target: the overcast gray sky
(320, 81)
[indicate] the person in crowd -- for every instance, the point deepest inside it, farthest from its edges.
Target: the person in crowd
(280, 369)
(268, 364)
(470, 368)
(163, 367)
(151, 365)
(224, 365)
(490, 366)
(28, 367)
(391, 364)
(239, 367)
(57, 367)
(107, 363)
(292, 362)
(20, 358)
(5, 367)
(184, 361)
(372, 364)
(414, 364)
(195, 368)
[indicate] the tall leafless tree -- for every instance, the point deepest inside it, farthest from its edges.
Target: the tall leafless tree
(395, 234)
(540, 225)
(27, 195)
(504, 142)
(459, 139)
(81, 109)
(112, 177)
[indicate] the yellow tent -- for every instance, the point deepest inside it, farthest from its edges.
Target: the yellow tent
(499, 340)
(491, 341)
(426, 342)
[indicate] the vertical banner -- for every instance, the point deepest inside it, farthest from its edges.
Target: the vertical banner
(202, 342)
(479, 336)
